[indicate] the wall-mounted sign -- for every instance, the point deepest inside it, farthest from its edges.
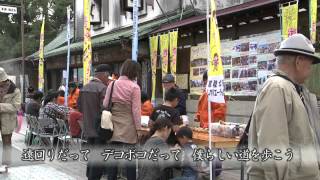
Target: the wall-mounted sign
(73, 60)
(95, 57)
(64, 74)
(79, 59)
(128, 4)
(182, 81)
(150, 2)
(8, 9)
(95, 11)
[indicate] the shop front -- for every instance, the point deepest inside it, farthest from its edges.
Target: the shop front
(249, 35)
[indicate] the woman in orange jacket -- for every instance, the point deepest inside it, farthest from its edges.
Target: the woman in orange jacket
(218, 110)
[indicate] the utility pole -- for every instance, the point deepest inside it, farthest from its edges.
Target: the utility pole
(11, 8)
(22, 51)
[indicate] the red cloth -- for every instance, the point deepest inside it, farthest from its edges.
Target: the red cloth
(74, 117)
(218, 111)
(146, 108)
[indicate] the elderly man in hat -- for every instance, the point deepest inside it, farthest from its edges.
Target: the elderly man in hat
(168, 82)
(91, 105)
(10, 101)
(285, 121)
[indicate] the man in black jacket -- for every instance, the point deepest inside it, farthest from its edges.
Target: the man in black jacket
(168, 82)
(90, 104)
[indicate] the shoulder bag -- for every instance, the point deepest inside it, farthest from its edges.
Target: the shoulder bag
(106, 116)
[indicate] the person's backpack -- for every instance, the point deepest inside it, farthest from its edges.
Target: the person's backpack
(243, 143)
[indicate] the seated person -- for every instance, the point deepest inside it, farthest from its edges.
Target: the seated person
(74, 118)
(30, 92)
(61, 97)
(153, 170)
(190, 168)
(34, 104)
(168, 111)
(51, 111)
(146, 106)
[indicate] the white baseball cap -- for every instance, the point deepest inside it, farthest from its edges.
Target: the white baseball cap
(298, 44)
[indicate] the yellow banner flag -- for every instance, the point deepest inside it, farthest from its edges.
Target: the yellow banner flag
(164, 51)
(215, 86)
(87, 48)
(41, 59)
(313, 20)
(173, 52)
(154, 57)
(289, 18)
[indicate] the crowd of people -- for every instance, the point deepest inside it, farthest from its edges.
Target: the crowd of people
(282, 102)
(128, 103)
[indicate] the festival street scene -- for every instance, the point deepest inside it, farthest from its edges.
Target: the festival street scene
(159, 90)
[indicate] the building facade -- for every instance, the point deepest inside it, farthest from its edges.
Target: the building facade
(112, 35)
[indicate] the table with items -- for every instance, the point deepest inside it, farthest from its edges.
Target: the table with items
(224, 135)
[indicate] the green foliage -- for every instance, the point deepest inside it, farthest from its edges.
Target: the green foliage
(313, 82)
(55, 13)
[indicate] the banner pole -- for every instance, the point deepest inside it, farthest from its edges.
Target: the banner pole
(135, 31)
(209, 103)
(68, 58)
(280, 13)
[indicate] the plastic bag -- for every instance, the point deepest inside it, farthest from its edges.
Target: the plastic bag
(20, 121)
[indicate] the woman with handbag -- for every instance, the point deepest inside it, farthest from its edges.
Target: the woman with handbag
(126, 114)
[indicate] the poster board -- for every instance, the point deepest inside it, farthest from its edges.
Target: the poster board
(247, 63)
(182, 81)
(198, 65)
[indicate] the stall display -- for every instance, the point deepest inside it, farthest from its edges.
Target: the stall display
(229, 130)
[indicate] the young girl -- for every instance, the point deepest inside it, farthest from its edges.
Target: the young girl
(159, 133)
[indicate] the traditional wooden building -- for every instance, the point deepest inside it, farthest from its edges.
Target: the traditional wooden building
(112, 35)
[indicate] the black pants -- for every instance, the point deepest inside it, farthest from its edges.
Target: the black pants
(95, 170)
(129, 167)
(47, 141)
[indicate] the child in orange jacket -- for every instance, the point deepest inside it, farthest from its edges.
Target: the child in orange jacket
(61, 98)
(146, 106)
(74, 93)
(218, 110)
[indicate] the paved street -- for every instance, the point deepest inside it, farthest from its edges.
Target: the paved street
(44, 170)
(71, 170)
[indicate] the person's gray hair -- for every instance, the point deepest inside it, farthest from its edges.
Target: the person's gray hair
(285, 59)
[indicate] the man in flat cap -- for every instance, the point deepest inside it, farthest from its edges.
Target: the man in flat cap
(91, 105)
(168, 82)
(285, 119)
